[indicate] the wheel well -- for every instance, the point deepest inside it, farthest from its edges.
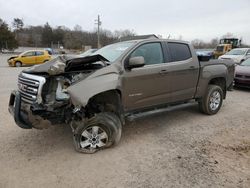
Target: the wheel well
(18, 62)
(108, 101)
(219, 82)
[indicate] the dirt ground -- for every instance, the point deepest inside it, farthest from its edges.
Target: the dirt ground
(181, 148)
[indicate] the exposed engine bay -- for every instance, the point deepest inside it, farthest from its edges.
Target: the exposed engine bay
(44, 96)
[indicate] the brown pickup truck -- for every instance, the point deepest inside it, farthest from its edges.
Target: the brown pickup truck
(95, 94)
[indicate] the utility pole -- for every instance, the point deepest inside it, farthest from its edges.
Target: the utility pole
(99, 23)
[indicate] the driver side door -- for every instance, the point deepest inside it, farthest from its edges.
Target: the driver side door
(29, 58)
(143, 87)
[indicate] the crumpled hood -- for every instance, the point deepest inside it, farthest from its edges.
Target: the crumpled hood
(63, 64)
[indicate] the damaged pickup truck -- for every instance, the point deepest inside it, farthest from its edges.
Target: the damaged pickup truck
(95, 94)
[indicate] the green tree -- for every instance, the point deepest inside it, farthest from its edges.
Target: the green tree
(7, 38)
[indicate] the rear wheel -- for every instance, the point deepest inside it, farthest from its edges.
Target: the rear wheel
(101, 131)
(211, 103)
(18, 64)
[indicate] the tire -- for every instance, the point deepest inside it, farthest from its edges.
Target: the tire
(99, 132)
(18, 64)
(211, 103)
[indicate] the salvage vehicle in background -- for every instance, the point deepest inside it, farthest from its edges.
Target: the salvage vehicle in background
(96, 94)
(242, 74)
(238, 55)
(30, 57)
(226, 45)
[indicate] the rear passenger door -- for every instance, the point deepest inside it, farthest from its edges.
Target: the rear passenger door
(39, 57)
(182, 72)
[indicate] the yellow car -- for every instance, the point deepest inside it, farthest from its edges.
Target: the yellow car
(30, 57)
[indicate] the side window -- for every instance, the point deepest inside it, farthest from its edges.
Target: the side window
(152, 53)
(29, 54)
(179, 51)
(38, 53)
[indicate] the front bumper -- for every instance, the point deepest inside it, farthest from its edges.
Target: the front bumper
(19, 115)
(11, 63)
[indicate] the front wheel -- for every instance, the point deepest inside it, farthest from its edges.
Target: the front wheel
(101, 131)
(18, 64)
(211, 103)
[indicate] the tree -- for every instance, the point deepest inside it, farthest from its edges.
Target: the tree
(58, 35)
(214, 42)
(7, 38)
(124, 33)
(17, 24)
(47, 35)
(77, 28)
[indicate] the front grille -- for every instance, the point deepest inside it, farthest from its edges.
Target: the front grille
(30, 87)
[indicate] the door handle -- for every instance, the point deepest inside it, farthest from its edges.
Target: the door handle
(192, 67)
(163, 72)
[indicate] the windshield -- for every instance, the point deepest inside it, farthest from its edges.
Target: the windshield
(113, 51)
(236, 52)
(220, 48)
(246, 63)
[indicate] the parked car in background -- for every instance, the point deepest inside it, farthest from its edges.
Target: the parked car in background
(30, 57)
(238, 55)
(242, 74)
(205, 52)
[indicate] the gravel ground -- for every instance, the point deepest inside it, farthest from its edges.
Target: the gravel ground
(181, 148)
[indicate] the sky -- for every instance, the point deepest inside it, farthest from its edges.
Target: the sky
(185, 19)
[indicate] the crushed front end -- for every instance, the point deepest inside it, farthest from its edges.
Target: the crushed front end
(42, 97)
(39, 101)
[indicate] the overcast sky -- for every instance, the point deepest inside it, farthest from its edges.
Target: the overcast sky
(190, 19)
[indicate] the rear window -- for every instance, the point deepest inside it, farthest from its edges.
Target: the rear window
(179, 51)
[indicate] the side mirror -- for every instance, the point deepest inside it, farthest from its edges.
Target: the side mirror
(204, 58)
(135, 62)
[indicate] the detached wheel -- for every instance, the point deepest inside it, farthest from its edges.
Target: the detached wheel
(99, 132)
(212, 101)
(18, 64)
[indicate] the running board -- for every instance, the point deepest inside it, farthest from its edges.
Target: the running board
(134, 116)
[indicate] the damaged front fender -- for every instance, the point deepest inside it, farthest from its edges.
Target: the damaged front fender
(81, 92)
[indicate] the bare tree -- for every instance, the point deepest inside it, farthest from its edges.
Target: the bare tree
(17, 24)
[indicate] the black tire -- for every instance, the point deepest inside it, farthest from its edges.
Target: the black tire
(18, 64)
(206, 106)
(108, 124)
